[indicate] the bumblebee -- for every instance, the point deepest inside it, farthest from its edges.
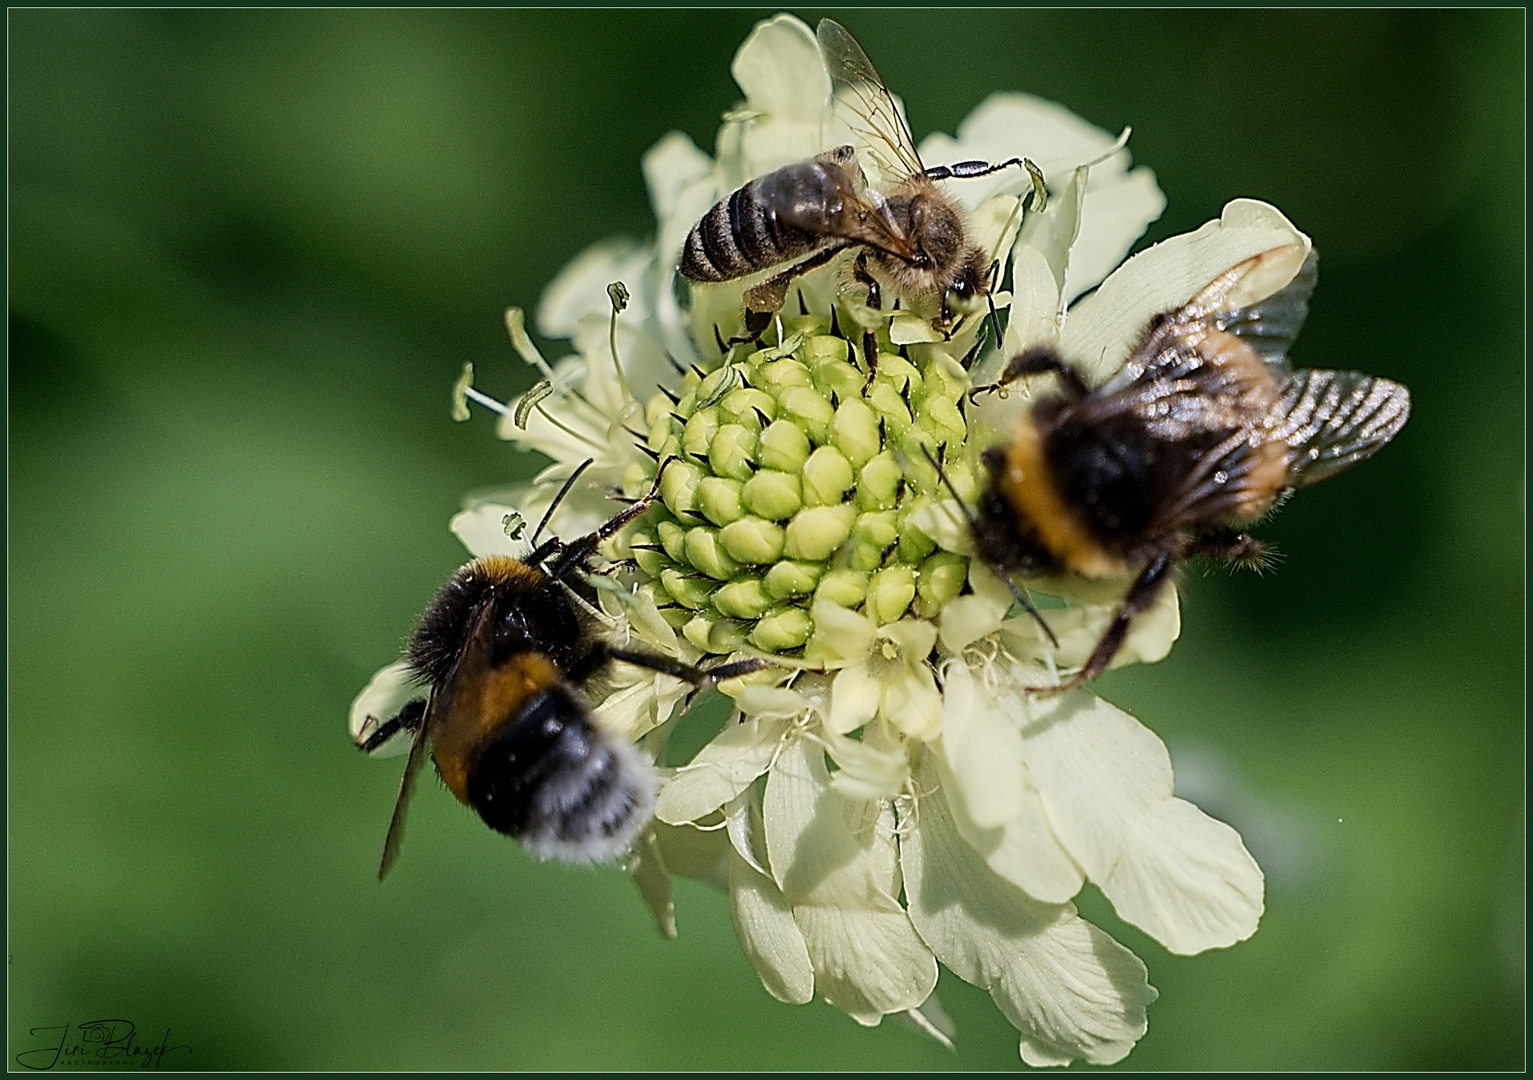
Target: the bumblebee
(1203, 431)
(503, 651)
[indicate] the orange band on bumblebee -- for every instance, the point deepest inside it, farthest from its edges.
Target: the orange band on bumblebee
(1028, 486)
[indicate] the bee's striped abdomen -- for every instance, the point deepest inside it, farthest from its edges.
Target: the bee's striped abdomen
(771, 220)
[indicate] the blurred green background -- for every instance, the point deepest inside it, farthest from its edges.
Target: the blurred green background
(249, 252)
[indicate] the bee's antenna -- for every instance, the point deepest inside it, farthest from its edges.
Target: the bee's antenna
(1000, 572)
(559, 498)
(576, 552)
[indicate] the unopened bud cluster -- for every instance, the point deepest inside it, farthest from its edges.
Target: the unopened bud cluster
(795, 476)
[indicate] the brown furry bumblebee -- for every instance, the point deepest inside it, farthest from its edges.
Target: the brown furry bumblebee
(914, 234)
(503, 650)
(1204, 430)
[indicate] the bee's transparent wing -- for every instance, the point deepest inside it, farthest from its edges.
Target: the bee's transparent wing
(413, 763)
(1269, 325)
(1332, 420)
(862, 107)
(1171, 387)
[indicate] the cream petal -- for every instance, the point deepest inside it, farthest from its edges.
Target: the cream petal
(1119, 206)
(912, 703)
(872, 821)
(388, 691)
(908, 329)
(754, 699)
(967, 619)
(1071, 990)
(992, 798)
(768, 934)
(580, 289)
(1035, 305)
(646, 865)
(840, 636)
(1102, 329)
(1007, 125)
(1169, 869)
(1053, 232)
(482, 530)
(867, 958)
(913, 637)
(982, 746)
(632, 711)
(1080, 627)
(721, 770)
(742, 824)
(813, 855)
(854, 699)
(946, 524)
(645, 620)
(932, 1020)
(671, 166)
(868, 962)
(690, 852)
(866, 771)
(786, 88)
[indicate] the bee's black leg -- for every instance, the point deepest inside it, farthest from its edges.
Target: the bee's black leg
(408, 719)
(869, 357)
(1141, 595)
(577, 551)
(862, 276)
(765, 300)
(602, 652)
(1037, 361)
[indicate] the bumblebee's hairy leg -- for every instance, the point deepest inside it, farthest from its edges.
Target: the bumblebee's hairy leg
(1232, 546)
(602, 652)
(1140, 596)
(1039, 360)
(577, 551)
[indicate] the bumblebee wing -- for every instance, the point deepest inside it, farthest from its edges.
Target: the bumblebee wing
(861, 101)
(1331, 420)
(1206, 393)
(467, 671)
(413, 764)
(1268, 325)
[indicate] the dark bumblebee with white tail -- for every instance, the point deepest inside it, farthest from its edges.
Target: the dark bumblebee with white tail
(503, 651)
(1203, 431)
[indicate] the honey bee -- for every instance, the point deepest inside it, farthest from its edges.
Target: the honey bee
(503, 650)
(1204, 430)
(913, 236)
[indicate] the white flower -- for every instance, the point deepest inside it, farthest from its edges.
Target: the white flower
(888, 796)
(882, 671)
